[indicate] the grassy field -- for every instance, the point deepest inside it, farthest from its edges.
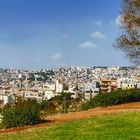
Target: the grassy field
(123, 126)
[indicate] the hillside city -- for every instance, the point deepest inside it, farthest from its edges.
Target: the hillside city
(47, 83)
(70, 70)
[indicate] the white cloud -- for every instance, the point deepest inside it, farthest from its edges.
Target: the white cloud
(87, 44)
(98, 34)
(99, 23)
(56, 56)
(118, 20)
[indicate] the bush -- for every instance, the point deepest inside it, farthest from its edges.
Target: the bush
(112, 98)
(48, 107)
(24, 113)
(62, 102)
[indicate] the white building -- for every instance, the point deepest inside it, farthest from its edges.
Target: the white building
(7, 95)
(33, 94)
(49, 90)
(59, 87)
(9, 99)
(126, 83)
(90, 90)
(52, 89)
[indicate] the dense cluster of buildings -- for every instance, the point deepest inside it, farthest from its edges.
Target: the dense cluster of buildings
(17, 85)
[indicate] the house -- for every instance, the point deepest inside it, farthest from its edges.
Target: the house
(49, 90)
(33, 94)
(108, 84)
(52, 89)
(7, 95)
(59, 87)
(138, 82)
(90, 89)
(9, 99)
(126, 83)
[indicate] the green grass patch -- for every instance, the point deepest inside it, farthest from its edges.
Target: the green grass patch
(123, 126)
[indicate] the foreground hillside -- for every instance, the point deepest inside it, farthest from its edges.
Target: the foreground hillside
(121, 126)
(95, 112)
(119, 122)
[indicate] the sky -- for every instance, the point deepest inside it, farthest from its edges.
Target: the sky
(38, 34)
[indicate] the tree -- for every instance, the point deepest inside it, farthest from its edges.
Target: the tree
(76, 88)
(48, 107)
(24, 113)
(129, 40)
(65, 87)
(63, 101)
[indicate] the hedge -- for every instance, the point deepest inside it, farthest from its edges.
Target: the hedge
(112, 98)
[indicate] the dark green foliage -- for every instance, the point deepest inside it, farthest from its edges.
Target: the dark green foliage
(76, 88)
(31, 77)
(24, 113)
(65, 87)
(62, 101)
(61, 97)
(42, 76)
(49, 107)
(113, 98)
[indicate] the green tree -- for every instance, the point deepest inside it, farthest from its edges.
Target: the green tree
(48, 107)
(129, 40)
(65, 87)
(24, 113)
(64, 100)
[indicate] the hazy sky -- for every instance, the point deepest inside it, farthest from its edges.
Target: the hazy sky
(54, 33)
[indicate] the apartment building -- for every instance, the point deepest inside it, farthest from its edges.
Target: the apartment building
(90, 89)
(52, 88)
(126, 83)
(33, 94)
(108, 84)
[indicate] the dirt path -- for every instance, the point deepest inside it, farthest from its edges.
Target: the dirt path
(95, 112)
(80, 115)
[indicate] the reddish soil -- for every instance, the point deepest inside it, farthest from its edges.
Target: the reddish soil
(50, 120)
(95, 112)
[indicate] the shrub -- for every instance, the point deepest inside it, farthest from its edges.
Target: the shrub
(112, 98)
(62, 102)
(24, 113)
(48, 107)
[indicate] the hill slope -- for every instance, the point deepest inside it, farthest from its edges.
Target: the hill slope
(121, 126)
(51, 120)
